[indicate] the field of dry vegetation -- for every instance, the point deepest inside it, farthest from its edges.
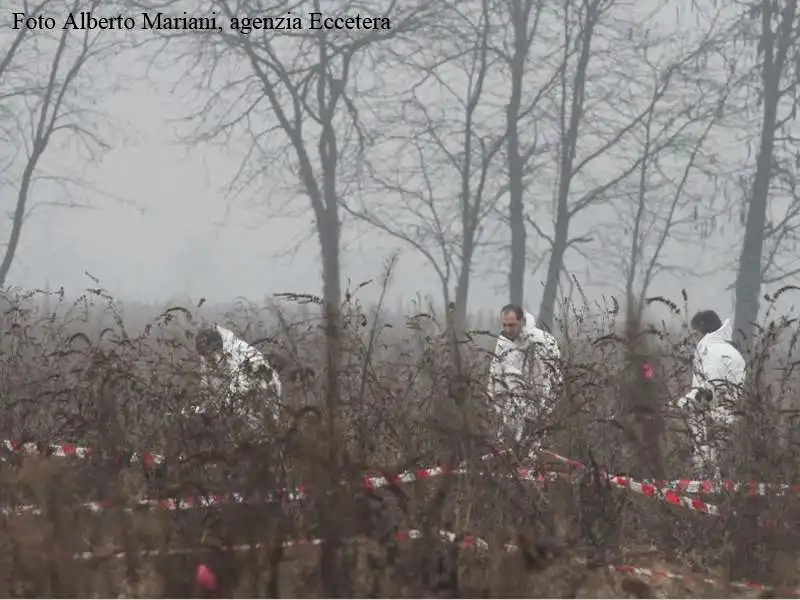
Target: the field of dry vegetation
(105, 524)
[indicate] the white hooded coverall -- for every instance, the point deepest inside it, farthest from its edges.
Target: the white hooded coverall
(525, 378)
(236, 376)
(719, 368)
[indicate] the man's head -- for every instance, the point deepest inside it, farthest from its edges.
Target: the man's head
(705, 322)
(512, 318)
(208, 342)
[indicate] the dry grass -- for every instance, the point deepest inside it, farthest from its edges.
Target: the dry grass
(81, 373)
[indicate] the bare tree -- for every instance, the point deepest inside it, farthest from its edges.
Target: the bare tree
(666, 203)
(774, 28)
(594, 115)
(44, 98)
(296, 96)
(300, 96)
(671, 201)
(439, 188)
(527, 21)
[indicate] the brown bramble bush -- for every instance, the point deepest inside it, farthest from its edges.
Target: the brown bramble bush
(411, 393)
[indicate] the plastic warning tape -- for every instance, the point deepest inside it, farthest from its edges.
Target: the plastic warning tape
(379, 481)
(291, 495)
(467, 541)
(69, 450)
(706, 487)
(171, 504)
(687, 486)
(66, 450)
(400, 536)
(667, 495)
(664, 494)
(370, 483)
(286, 495)
(739, 585)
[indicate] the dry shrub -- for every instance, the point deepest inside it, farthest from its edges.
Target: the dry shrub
(411, 393)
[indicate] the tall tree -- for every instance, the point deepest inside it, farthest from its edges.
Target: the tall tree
(661, 207)
(528, 52)
(594, 114)
(776, 38)
(438, 189)
(579, 21)
(301, 97)
(665, 204)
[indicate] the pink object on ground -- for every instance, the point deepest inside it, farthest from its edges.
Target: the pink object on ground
(205, 577)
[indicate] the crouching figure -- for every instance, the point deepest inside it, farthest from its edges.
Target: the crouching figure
(238, 379)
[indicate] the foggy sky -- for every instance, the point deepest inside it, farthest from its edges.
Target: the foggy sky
(171, 231)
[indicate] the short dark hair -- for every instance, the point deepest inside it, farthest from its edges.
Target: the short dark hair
(706, 321)
(515, 308)
(208, 340)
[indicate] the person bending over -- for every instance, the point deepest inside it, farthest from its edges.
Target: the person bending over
(238, 377)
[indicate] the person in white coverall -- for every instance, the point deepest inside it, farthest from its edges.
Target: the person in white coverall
(238, 376)
(525, 378)
(717, 379)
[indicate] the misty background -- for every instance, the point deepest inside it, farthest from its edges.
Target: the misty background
(176, 203)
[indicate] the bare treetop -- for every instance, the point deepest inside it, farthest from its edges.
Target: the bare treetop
(49, 86)
(433, 169)
(261, 92)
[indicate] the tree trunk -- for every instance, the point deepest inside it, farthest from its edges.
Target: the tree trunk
(332, 297)
(19, 214)
(569, 144)
(642, 400)
(554, 267)
(459, 385)
(516, 274)
(334, 510)
(333, 515)
(462, 285)
(749, 275)
(516, 277)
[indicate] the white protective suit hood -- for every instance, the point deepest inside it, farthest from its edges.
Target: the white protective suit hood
(716, 361)
(242, 359)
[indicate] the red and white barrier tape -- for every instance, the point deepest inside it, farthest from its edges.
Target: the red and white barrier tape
(664, 494)
(663, 491)
(66, 450)
(412, 534)
(687, 486)
(467, 542)
(706, 487)
(739, 585)
(171, 504)
(375, 482)
(299, 493)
